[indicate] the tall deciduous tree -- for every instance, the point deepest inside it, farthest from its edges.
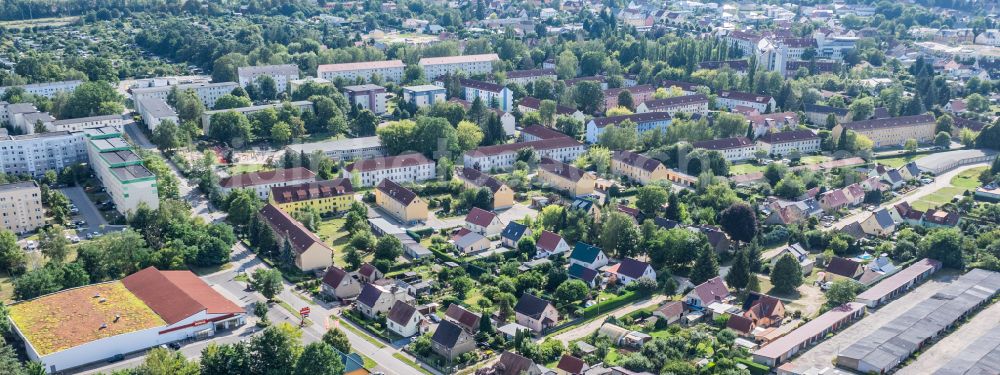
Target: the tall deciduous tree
(319, 358)
(739, 220)
(787, 274)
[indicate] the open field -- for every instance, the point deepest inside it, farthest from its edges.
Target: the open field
(899, 161)
(39, 22)
(967, 180)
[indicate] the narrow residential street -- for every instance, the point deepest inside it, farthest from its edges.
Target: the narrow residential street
(588, 328)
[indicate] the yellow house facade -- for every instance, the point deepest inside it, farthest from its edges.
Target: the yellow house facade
(325, 196)
(565, 177)
(311, 253)
(638, 167)
(503, 195)
(400, 202)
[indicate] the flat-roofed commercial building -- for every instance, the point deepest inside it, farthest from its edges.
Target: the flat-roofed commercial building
(156, 110)
(281, 74)
(389, 70)
(35, 154)
(470, 64)
(400, 169)
(814, 331)
(121, 170)
(207, 92)
(262, 182)
(92, 323)
(893, 131)
(344, 149)
(21, 207)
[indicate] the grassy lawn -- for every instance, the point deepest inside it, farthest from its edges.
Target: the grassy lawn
(899, 161)
(350, 327)
(367, 362)
(6, 287)
(966, 180)
(815, 159)
(236, 169)
(332, 232)
(410, 362)
(745, 168)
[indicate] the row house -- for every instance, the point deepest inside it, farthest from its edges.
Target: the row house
(390, 70)
(733, 149)
(690, 104)
(539, 132)
(502, 157)
(783, 143)
(643, 121)
(893, 131)
(404, 168)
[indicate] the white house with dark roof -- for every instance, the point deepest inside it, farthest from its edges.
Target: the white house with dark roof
(339, 283)
(502, 157)
(733, 99)
(783, 143)
(535, 313)
(579, 272)
(705, 294)
(400, 169)
(643, 121)
(450, 341)
(403, 319)
(375, 299)
(733, 149)
(588, 256)
(483, 222)
(690, 104)
(513, 233)
(630, 270)
(549, 244)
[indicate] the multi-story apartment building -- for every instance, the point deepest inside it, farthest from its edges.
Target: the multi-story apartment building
(688, 88)
(492, 95)
(893, 131)
(281, 74)
(28, 122)
(46, 89)
(12, 114)
(530, 104)
(36, 153)
(325, 196)
(84, 123)
(400, 202)
(740, 67)
(817, 114)
(368, 96)
(156, 110)
(772, 122)
(349, 149)
(310, 252)
(733, 149)
(503, 196)
(295, 84)
(637, 167)
(834, 46)
(21, 207)
(733, 99)
(523, 77)
(401, 169)
(502, 157)
(640, 93)
(207, 92)
(206, 117)
(470, 64)
(120, 170)
(262, 182)
(782, 143)
(390, 70)
(424, 95)
(691, 104)
(643, 121)
(566, 178)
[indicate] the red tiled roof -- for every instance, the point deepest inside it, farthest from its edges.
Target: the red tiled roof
(284, 225)
(542, 132)
(468, 319)
(571, 364)
(177, 295)
(545, 144)
(312, 190)
(267, 177)
(548, 241)
(637, 160)
(739, 323)
(479, 178)
(396, 191)
(399, 161)
(480, 217)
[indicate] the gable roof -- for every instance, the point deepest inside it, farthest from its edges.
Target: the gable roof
(671, 308)
(514, 231)
(531, 306)
(745, 97)
(571, 364)
(479, 178)
(285, 226)
(637, 160)
(632, 268)
(883, 218)
(398, 161)
(548, 241)
(401, 312)
(468, 239)
(397, 192)
(312, 190)
(843, 267)
(177, 295)
(723, 143)
(563, 170)
(511, 363)
(542, 132)
(892, 122)
(789, 136)
(369, 295)
(266, 177)
(638, 118)
(762, 304)
(368, 270)
(468, 319)
(480, 217)
(739, 323)
(334, 276)
(531, 73)
(535, 103)
(447, 334)
(480, 85)
(675, 101)
(578, 271)
(544, 144)
(712, 290)
(584, 252)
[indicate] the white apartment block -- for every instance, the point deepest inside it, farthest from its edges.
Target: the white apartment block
(121, 171)
(492, 95)
(733, 149)
(503, 157)
(262, 182)
(691, 104)
(399, 169)
(35, 154)
(206, 117)
(391, 70)
(21, 207)
(84, 123)
(524, 77)
(780, 144)
(424, 95)
(46, 89)
(348, 150)
(156, 110)
(207, 92)
(370, 97)
(470, 64)
(281, 74)
(733, 99)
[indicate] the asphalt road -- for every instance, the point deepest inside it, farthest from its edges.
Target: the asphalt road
(138, 137)
(88, 211)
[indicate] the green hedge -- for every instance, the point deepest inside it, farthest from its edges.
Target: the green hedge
(444, 256)
(614, 303)
(754, 367)
(420, 233)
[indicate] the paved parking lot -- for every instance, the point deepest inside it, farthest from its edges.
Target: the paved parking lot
(943, 351)
(88, 211)
(822, 356)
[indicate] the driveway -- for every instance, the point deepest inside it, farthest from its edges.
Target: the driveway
(517, 212)
(821, 356)
(588, 328)
(138, 137)
(88, 211)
